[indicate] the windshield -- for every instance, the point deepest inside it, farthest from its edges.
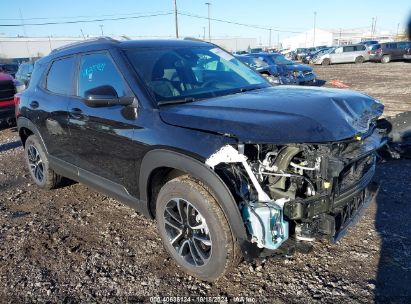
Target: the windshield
(252, 62)
(280, 59)
(10, 68)
(191, 73)
(375, 47)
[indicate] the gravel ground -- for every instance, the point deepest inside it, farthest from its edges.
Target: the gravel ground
(74, 245)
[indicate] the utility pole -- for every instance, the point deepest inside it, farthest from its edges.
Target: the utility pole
(204, 32)
(278, 40)
(175, 16)
(25, 33)
(398, 29)
(269, 39)
(101, 27)
(339, 40)
(209, 24)
(372, 27)
(315, 20)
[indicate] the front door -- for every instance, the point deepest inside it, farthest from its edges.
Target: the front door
(102, 136)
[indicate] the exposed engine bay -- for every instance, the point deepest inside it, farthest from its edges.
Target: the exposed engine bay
(304, 191)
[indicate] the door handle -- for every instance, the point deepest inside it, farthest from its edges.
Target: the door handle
(76, 113)
(34, 104)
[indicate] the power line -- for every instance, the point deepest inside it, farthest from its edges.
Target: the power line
(237, 23)
(83, 16)
(86, 21)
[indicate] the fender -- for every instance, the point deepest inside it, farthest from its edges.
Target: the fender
(166, 158)
(23, 122)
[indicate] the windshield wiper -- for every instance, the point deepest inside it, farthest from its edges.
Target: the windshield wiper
(176, 101)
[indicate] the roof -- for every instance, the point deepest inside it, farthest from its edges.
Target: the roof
(107, 43)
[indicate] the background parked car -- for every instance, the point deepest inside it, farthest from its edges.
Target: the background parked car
(302, 73)
(407, 55)
(8, 87)
(344, 54)
(9, 68)
(307, 58)
(385, 52)
(24, 72)
(273, 74)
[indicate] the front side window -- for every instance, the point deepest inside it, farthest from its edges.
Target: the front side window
(60, 75)
(188, 73)
(98, 70)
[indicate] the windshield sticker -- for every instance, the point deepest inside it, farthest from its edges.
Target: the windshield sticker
(220, 53)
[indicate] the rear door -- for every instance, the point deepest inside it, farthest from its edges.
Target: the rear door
(393, 50)
(349, 53)
(102, 136)
(48, 107)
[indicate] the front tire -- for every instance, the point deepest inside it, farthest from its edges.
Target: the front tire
(194, 230)
(38, 165)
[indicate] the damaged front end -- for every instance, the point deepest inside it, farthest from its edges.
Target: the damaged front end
(302, 191)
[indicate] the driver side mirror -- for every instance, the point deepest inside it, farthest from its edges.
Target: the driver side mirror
(105, 96)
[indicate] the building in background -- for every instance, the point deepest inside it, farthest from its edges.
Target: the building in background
(334, 37)
(27, 47)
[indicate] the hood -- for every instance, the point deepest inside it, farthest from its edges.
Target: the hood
(282, 114)
(298, 67)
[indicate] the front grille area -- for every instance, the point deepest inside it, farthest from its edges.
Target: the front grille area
(7, 90)
(354, 171)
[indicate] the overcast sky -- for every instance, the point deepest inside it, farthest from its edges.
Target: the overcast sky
(287, 16)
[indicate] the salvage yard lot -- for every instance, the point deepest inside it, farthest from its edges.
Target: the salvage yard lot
(75, 245)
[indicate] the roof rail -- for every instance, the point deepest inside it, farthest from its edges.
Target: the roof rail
(88, 41)
(194, 39)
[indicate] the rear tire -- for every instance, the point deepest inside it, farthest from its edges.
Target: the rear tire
(326, 61)
(359, 60)
(38, 165)
(194, 230)
(385, 59)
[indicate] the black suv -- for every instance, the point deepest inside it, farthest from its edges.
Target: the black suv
(229, 166)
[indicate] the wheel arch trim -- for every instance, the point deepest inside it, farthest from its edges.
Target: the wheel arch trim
(23, 122)
(166, 158)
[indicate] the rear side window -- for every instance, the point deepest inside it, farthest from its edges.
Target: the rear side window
(350, 48)
(60, 76)
(98, 70)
